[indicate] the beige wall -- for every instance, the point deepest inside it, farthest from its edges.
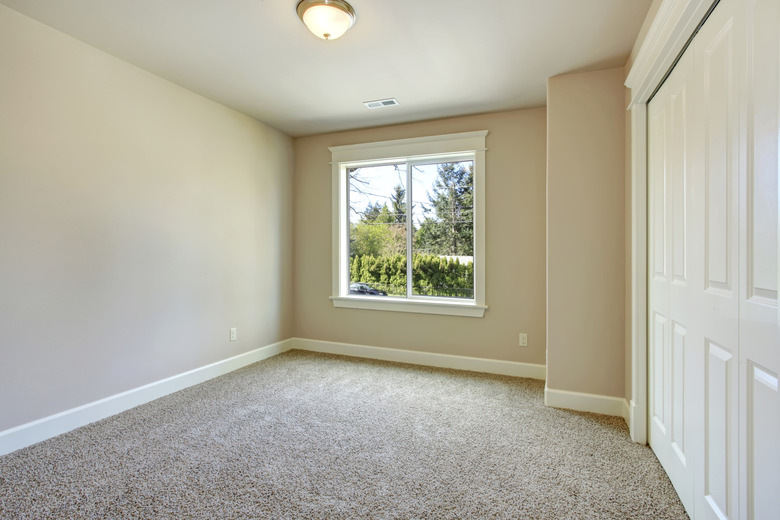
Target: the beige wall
(138, 223)
(515, 256)
(585, 233)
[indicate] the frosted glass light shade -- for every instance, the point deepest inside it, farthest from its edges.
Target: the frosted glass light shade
(327, 19)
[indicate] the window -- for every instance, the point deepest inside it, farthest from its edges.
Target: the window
(409, 225)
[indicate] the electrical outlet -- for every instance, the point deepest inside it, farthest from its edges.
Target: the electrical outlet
(523, 340)
(233, 334)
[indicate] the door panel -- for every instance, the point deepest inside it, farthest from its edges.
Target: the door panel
(721, 127)
(657, 365)
(678, 392)
(670, 114)
(763, 425)
(762, 177)
(720, 431)
(719, 69)
(718, 92)
(758, 325)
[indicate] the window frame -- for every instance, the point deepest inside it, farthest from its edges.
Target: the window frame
(415, 150)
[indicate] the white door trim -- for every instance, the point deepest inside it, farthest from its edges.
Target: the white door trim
(674, 24)
(637, 422)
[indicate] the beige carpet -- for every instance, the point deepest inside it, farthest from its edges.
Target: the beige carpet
(311, 436)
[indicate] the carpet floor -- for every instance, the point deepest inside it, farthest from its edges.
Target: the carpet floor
(313, 436)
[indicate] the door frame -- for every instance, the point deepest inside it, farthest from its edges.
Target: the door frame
(674, 24)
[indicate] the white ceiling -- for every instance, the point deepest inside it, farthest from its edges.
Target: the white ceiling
(439, 58)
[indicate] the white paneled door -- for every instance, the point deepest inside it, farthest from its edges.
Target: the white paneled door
(759, 314)
(674, 375)
(714, 347)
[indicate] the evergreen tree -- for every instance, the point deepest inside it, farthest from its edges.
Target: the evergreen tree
(451, 230)
(398, 202)
(371, 213)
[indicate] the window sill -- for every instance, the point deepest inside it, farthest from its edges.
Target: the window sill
(383, 303)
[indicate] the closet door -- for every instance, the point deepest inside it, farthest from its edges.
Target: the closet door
(719, 56)
(758, 333)
(674, 375)
(714, 323)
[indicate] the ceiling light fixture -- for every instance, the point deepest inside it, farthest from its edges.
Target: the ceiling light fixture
(327, 19)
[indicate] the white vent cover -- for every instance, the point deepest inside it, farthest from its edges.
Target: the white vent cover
(381, 103)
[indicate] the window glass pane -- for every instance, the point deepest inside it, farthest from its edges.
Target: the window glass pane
(377, 230)
(443, 217)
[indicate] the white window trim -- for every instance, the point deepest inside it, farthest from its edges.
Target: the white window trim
(407, 149)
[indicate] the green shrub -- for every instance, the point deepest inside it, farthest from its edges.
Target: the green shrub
(433, 275)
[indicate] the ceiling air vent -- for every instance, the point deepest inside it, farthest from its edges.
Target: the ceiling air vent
(381, 103)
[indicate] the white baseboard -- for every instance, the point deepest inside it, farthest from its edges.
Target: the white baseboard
(42, 429)
(602, 404)
(489, 366)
